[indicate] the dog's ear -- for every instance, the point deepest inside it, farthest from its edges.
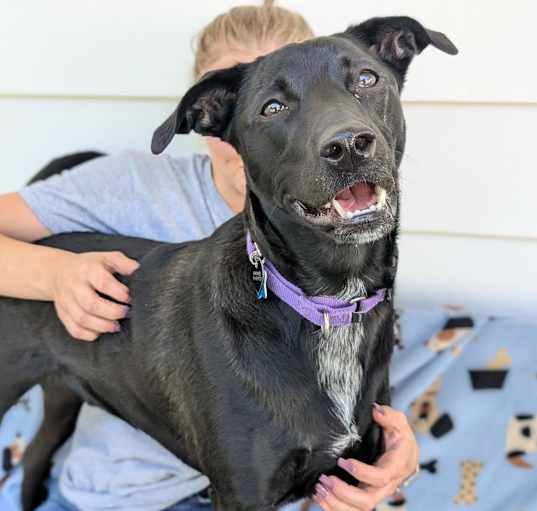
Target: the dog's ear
(206, 108)
(396, 40)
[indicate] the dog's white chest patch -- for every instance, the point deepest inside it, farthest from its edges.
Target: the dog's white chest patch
(340, 371)
(340, 375)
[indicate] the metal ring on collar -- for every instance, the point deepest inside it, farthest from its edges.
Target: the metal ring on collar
(256, 258)
(326, 325)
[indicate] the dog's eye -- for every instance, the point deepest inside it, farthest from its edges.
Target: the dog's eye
(367, 78)
(272, 107)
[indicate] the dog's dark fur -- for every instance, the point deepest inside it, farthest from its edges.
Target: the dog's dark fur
(239, 388)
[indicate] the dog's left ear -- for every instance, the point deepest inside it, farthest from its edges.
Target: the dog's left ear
(206, 108)
(396, 40)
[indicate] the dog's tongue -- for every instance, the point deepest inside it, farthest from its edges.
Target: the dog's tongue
(359, 196)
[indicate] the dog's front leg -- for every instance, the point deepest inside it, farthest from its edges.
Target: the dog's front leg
(61, 406)
(374, 437)
(221, 503)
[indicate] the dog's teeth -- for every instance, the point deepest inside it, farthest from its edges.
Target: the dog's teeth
(328, 205)
(381, 196)
(381, 200)
(337, 206)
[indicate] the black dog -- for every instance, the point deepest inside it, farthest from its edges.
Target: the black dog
(247, 389)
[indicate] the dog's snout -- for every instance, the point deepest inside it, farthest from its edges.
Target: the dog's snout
(348, 145)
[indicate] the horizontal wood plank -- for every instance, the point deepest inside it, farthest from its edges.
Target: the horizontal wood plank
(490, 276)
(126, 48)
(466, 169)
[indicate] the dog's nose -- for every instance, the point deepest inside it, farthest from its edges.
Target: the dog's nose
(348, 145)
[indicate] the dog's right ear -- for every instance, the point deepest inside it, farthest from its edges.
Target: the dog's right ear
(206, 108)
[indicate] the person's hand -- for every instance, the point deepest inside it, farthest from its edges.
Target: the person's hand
(74, 283)
(399, 462)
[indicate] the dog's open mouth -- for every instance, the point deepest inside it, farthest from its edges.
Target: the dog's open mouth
(353, 204)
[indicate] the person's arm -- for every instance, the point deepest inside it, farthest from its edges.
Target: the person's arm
(71, 281)
(24, 269)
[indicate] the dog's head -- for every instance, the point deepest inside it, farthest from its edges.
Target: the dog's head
(318, 124)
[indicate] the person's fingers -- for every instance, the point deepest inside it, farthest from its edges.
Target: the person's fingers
(94, 305)
(329, 502)
(77, 284)
(389, 418)
(75, 330)
(379, 495)
(367, 474)
(103, 281)
(344, 494)
(88, 322)
(321, 503)
(120, 263)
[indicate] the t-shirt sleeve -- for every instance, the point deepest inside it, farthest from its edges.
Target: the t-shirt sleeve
(88, 197)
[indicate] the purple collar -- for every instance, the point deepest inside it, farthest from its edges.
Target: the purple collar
(323, 311)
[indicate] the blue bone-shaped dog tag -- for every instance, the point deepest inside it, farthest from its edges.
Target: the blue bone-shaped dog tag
(261, 277)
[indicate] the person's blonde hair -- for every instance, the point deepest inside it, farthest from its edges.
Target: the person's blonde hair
(248, 26)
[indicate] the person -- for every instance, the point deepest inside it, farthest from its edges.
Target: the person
(107, 464)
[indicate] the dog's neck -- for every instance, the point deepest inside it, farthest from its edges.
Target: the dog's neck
(313, 260)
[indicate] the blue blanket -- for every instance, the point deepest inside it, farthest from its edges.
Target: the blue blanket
(468, 384)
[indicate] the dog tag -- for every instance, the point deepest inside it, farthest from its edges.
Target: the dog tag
(261, 277)
(259, 274)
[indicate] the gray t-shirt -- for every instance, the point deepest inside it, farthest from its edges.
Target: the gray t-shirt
(109, 464)
(134, 194)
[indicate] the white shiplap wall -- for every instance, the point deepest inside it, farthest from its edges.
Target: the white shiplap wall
(103, 75)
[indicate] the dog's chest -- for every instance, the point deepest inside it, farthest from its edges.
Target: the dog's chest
(340, 371)
(340, 376)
